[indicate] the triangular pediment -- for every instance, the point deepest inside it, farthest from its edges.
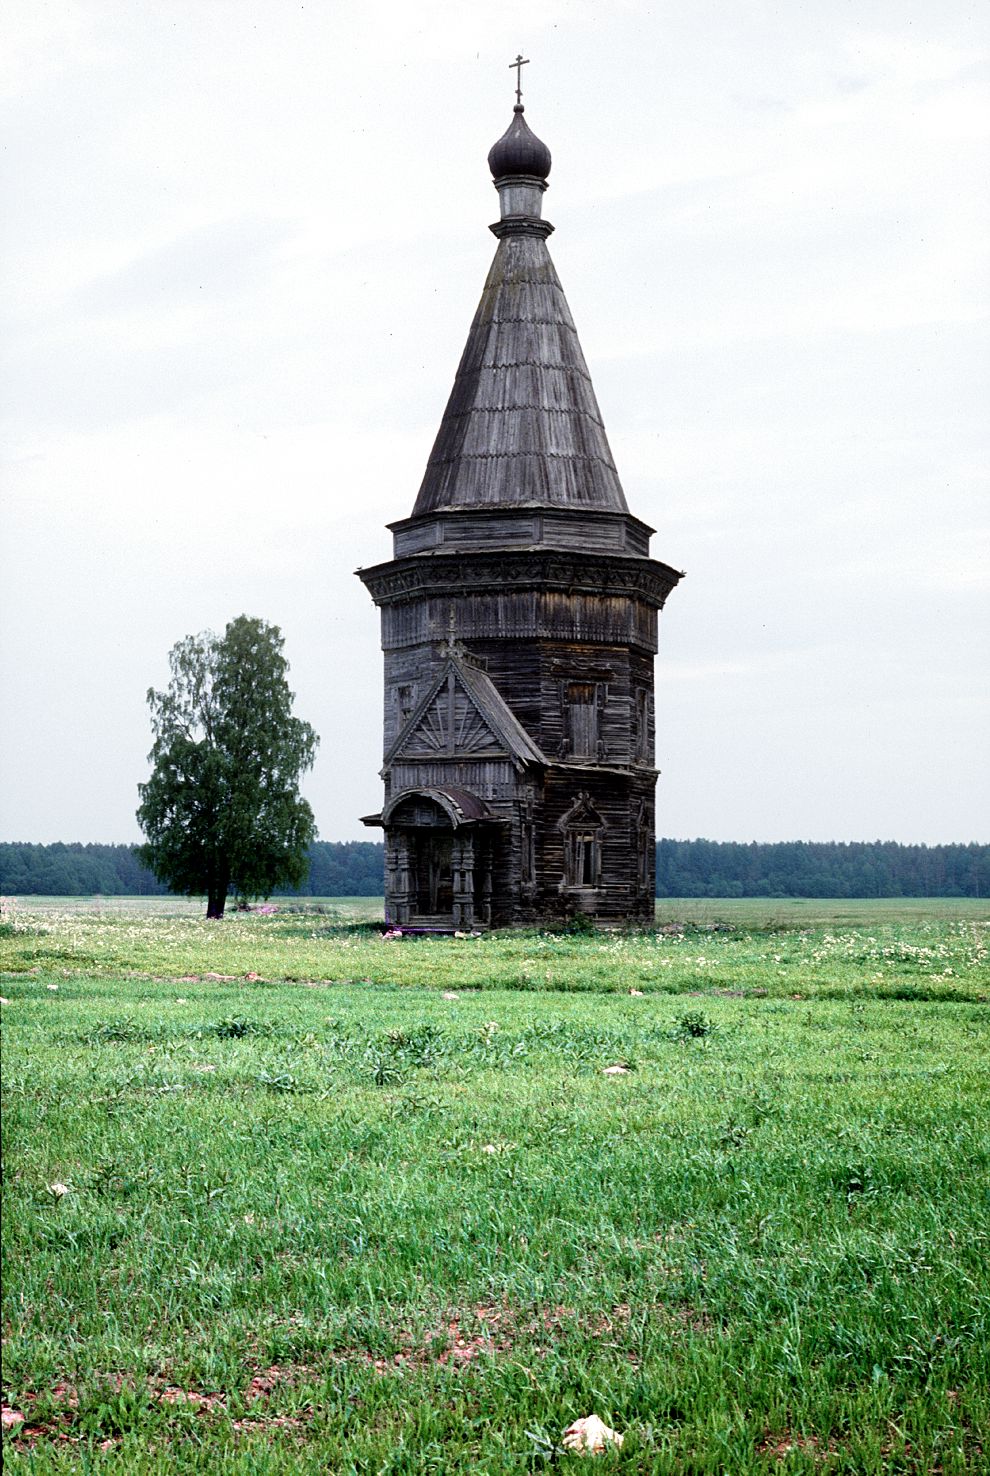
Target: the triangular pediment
(452, 724)
(462, 716)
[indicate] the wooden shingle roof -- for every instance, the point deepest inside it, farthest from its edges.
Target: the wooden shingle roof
(522, 425)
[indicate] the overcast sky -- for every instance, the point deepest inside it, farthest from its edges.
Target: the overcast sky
(243, 243)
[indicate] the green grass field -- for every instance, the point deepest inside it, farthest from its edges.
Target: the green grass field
(275, 1202)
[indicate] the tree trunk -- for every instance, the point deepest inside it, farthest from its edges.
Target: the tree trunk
(216, 900)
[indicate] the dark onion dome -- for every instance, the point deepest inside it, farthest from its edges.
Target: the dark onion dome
(519, 151)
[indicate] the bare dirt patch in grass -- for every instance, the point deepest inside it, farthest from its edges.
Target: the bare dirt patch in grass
(781, 1444)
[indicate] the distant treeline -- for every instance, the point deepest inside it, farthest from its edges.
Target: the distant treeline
(336, 869)
(697, 868)
(74, 870)
(701, 868)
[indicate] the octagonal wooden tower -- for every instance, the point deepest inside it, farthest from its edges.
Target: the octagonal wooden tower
(519, 624)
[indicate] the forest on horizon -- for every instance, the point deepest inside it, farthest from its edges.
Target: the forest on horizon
(685, 868)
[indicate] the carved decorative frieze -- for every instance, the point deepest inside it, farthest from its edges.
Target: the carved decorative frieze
(474, 573)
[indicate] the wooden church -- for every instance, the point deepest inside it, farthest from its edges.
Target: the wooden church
(519, 624)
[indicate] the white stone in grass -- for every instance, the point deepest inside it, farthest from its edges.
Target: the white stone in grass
(615, 1070)
(590, 1436)
(3, 1000)
(58, 1190)
(52, 988)
(489, 1148)
(451, 994)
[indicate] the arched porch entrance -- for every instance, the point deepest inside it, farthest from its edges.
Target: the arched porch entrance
(438, 860)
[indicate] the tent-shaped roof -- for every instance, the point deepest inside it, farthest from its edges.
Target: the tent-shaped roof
(522, 426)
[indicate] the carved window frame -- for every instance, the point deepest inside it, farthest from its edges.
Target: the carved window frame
(583, 832)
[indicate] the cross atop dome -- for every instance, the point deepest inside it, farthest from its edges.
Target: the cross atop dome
(519, 63)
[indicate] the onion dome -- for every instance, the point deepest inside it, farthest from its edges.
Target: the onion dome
(519, 151)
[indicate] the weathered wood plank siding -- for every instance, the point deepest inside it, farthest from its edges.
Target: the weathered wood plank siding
(519, 622)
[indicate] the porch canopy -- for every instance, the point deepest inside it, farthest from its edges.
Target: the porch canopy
(438, 862)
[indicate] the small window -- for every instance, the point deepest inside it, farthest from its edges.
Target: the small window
(646, 847)
(528, 852)
(581, 720)
(589, 860)
(405, 699)
(583, 858)
(643, 753)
